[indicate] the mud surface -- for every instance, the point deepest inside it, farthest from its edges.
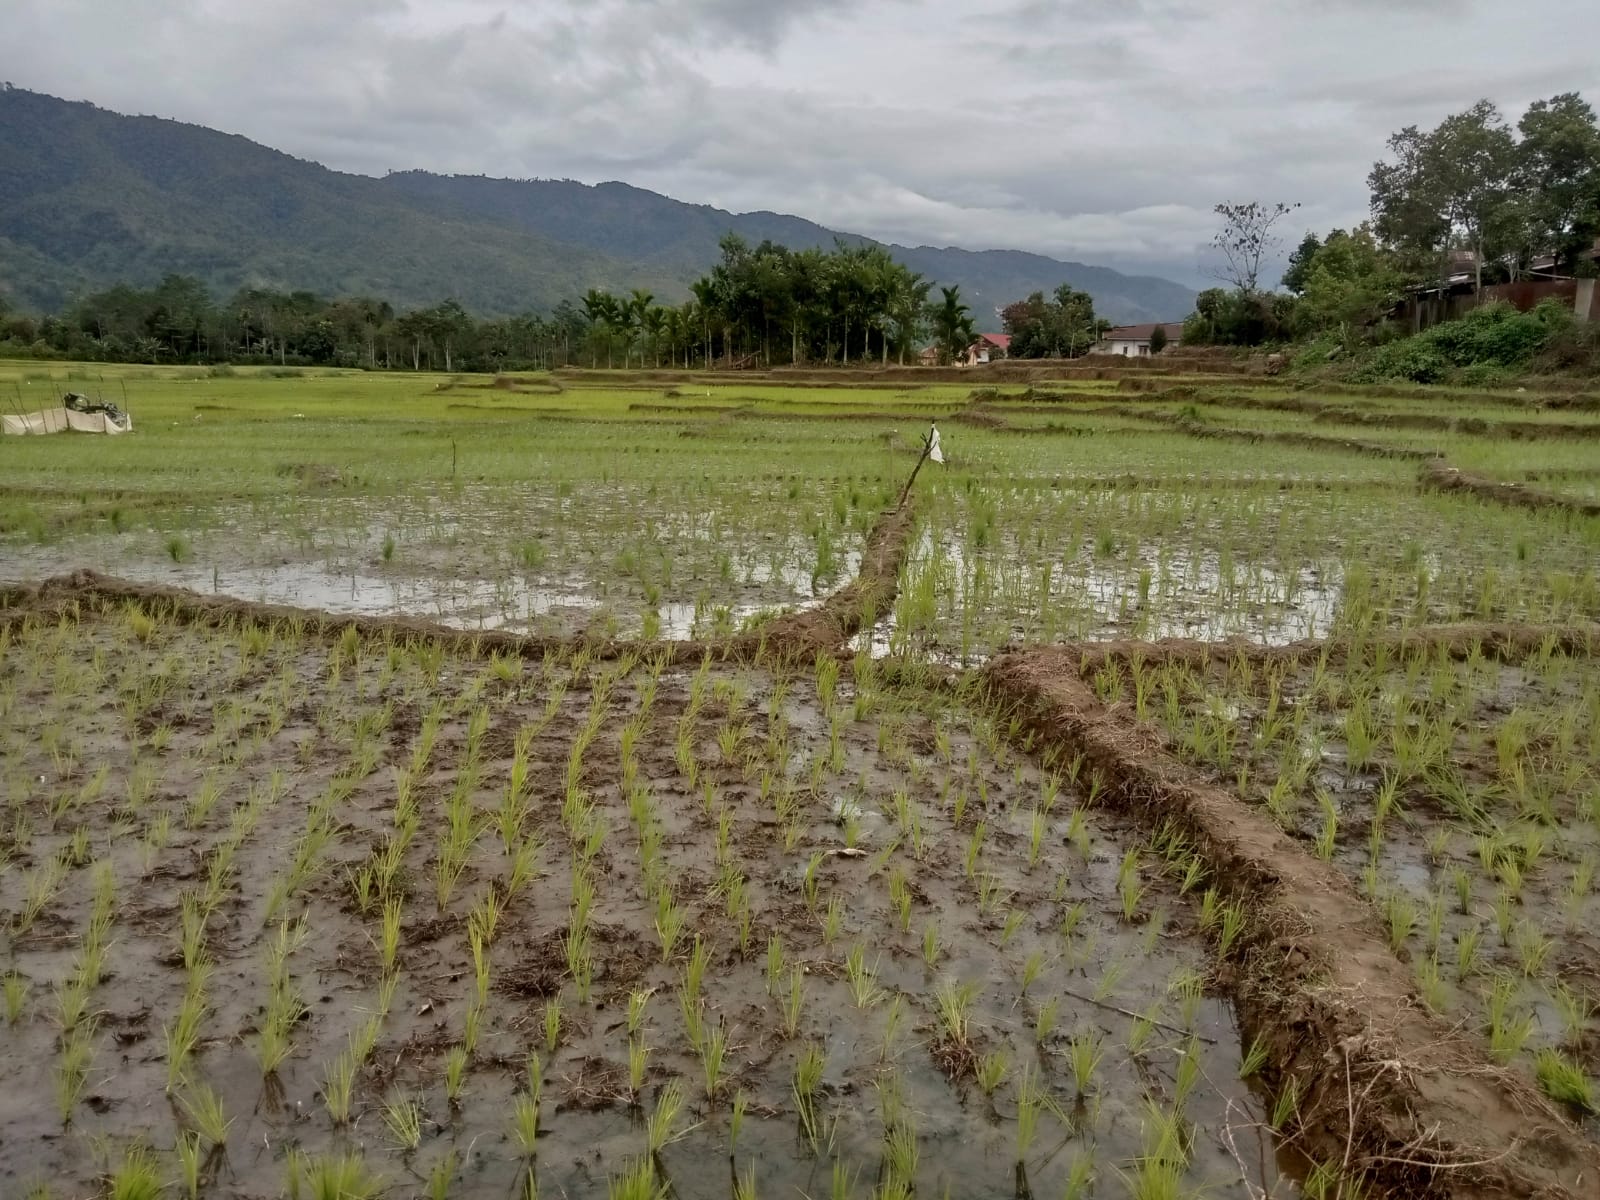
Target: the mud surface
(830, 854)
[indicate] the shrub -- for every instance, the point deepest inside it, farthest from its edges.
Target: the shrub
(1479, 348)
(1575, 348)
(1414, 359)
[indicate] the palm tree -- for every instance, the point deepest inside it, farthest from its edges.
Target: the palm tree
(654, 323)
(633, 311)
(952, 323)
(600, 308)
(705, 296)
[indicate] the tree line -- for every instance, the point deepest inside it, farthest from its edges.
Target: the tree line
(1473, 194)
(761, 305)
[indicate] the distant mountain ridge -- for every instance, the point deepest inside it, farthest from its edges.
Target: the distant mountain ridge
(89, 198)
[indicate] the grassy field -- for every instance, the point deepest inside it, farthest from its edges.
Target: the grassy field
(600, 880)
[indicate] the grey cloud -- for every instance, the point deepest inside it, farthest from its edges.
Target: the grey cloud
(1102, 130)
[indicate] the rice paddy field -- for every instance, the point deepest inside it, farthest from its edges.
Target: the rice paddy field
(624, 784)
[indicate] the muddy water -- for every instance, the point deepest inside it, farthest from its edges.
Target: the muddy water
(982, 609)
(164, 710)
(1479, 934)
(539, 603)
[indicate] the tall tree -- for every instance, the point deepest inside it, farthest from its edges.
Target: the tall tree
(1294, 278)
(1351, 284)
(1449, 187)
(1474, 153)
(953, 330)
(1559, 173)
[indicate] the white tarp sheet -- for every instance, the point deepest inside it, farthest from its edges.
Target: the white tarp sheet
(60, 420)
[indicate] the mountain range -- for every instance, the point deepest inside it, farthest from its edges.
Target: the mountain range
(89, 198)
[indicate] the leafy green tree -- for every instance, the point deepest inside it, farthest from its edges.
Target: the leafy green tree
(1158, 340)
(1294, 278)
(1409, 205)
(1351, 284)
(1559, 173)
(1450, 186)
(1228, 317)
(1064, 325)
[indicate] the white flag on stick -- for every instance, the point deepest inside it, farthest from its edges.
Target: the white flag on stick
(933, 446)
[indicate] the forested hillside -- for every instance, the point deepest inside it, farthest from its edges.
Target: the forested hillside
(90, 198)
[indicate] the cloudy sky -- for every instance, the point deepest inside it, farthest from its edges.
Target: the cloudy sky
(1099, 130)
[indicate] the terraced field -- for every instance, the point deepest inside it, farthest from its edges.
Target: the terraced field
(622, 784)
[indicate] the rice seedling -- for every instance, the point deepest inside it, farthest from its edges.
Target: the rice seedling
(1575, 1009)
(974, 847)
(638, 1062)
(807, 1080)
(183, 1035)
(1467, 947)
(1285, 1105)
(713, 1050)
(1085, 1052)
(343, 1176)
(189, 1151)
(525, 1123)
(1564, 1080)
(135, 1177)
(402, 1117)
(794, 1002)
(775, 962)
(992, 1070)
(455, 1073)
(1532, 948)
(637, 1182)
(15, 988)
(552, 1023)
(72, 1069)
(1400, 918)
(833, 919)
(1032, 1100)
(664, 1125)
(1510, 1026)
(862, 978)
(900, 898)
(389, 943)
(203, 1110)
(338, 1087)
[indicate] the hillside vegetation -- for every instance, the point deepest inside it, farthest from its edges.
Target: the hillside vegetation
(90, 198)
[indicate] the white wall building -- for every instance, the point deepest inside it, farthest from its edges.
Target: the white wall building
(1133, 341)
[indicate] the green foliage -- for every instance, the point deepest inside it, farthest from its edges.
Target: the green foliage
(101, 199)
(1234, 318)
(953, 330)
(1299, 270)
(1064, 326)
(1349, 284)
(1490, 336)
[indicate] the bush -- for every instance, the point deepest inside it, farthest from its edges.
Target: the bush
(1575, 348)
(1414, 359)
(1479, 348)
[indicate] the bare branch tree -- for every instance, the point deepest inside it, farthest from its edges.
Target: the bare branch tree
(1246, 238)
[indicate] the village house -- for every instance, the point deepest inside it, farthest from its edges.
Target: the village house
(1133, 341)
(988, 347)
(1457, 294)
